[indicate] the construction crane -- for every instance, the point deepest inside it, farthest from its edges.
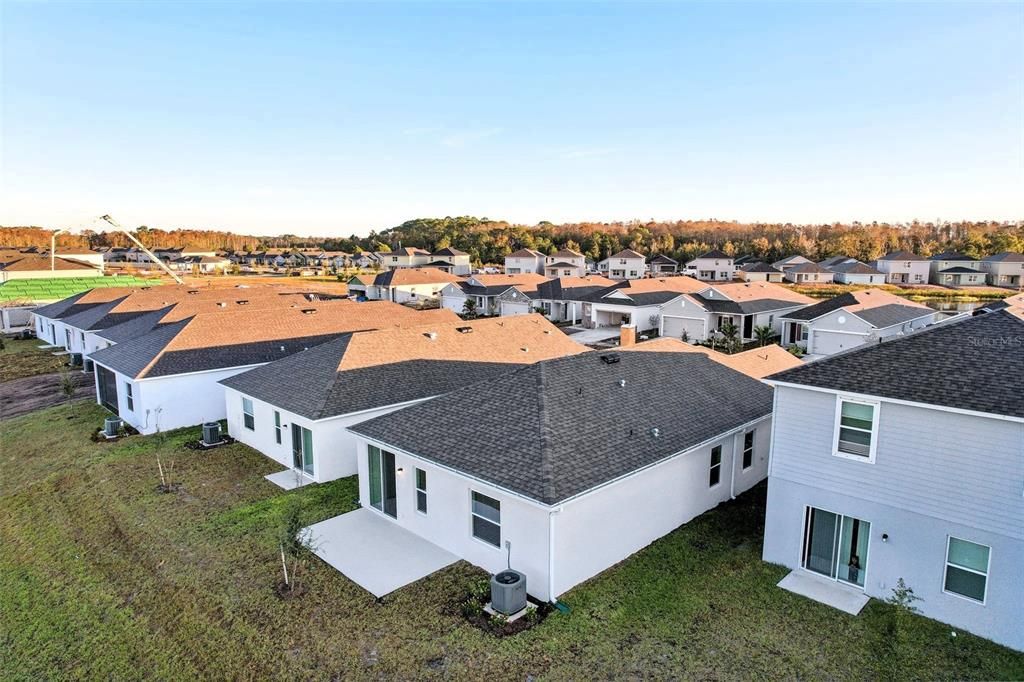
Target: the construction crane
(149, 253)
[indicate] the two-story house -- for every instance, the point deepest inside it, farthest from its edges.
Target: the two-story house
(405, 257)
(903, 267)
(953, 269)
(626, 264)
(565, 263)
(713, 266)
(905, 460)
(1004, 269)
(524, 261)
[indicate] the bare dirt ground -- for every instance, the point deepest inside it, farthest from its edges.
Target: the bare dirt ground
(20, 396)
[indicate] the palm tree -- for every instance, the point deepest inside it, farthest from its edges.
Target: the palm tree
(731, 334)
(764, 334)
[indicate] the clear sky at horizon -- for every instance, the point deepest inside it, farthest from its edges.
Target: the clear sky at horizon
(318, 118)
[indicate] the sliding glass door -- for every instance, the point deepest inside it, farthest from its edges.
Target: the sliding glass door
(302, 449)
(836, 546)
(383, 486)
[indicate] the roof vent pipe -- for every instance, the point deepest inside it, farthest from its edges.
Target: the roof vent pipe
(622, 383)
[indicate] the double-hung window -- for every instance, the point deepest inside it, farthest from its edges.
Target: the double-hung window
(966, 569)
(486, 519)
(421, 491)
(277, 427)
(248, 418)
(856, 429)
(715, 475)
(748, 449)
(129, 397)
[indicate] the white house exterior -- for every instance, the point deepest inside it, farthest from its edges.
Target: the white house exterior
(713, 266)
(300, 424)
(524, 261)
(903, 267)
(759, 272)
(807, 273)
(565, 263)
(626, 264)
(950, 268)
(406, 257)
(590, 512)
(853, 319)
(854, 272)
(873, 480)
(409, 285)
(662, 265)
(485, 292)
(790, 261)
(698, 315)
(562, 299)
(1004, 269)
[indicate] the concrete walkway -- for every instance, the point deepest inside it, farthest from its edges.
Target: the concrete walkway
(289, 479)
(378, 555)
(589, 336)
(821, 589)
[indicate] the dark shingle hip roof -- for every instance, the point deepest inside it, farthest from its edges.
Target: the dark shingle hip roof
(974, 364)
(558, 428)
(894, 313)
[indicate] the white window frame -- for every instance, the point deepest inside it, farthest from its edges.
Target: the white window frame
(129, 396)
(251, 414)
(712, 466)
(875, 416)
(421, 491)
(945, 570)
(473, 514)
(743, 454)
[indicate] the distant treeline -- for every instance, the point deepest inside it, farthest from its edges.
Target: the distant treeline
(489, 241)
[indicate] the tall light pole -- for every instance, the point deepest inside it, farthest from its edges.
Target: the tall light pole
(142, 246)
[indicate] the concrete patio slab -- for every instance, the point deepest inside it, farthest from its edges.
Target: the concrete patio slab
(374, 553)
(589, 336)
(825, 591)
(289, 479)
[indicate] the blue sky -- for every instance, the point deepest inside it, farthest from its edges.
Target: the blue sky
(322, 118)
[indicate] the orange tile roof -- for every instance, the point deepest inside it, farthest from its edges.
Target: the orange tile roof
(752, 291)
(874, 298)
(756, 362)
(240, 327)
(524, 278)
(681, 284)
(35, 263)
(517, 340)
(408, 276)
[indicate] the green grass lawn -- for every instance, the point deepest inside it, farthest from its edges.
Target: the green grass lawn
(104, 577)
(22, 358)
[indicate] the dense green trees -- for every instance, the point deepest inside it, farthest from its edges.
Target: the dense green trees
(489, 241)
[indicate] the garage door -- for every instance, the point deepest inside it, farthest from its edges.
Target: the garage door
(454, 303)
(673, 327)
(513, 308)
(829, 343)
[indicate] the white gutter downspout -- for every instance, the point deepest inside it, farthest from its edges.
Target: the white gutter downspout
(732, 474)
(551, 554)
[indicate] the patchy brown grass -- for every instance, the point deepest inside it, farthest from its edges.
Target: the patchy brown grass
(104, 577)
(22, 358)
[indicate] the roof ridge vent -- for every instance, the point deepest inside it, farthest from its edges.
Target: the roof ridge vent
(464, 330)
(610, 358)
(309, 311)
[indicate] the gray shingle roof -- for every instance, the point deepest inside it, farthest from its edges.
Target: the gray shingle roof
(888, 315)
(56, 310)
(951, 255)
(759, 267)
(959, 270)
(902, 255)
(1005, 257)
(815, 311)
(715, 253)
(558, 428)
(309, 383)
(969, 364)
(135, 326)
(854, 268)
(553, 290)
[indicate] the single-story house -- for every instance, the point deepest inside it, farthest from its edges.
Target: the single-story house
(807, 273)
(167, 378)
(559, 300)
(402, 284)
(759, 272)
(484, 291)
(853, 319)
(697, 315)
(34, 266)
(854, 272)
(638, 302)
(567, 466)
(296, 410)
(790, 261)
(662, 265)
(358, 285)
